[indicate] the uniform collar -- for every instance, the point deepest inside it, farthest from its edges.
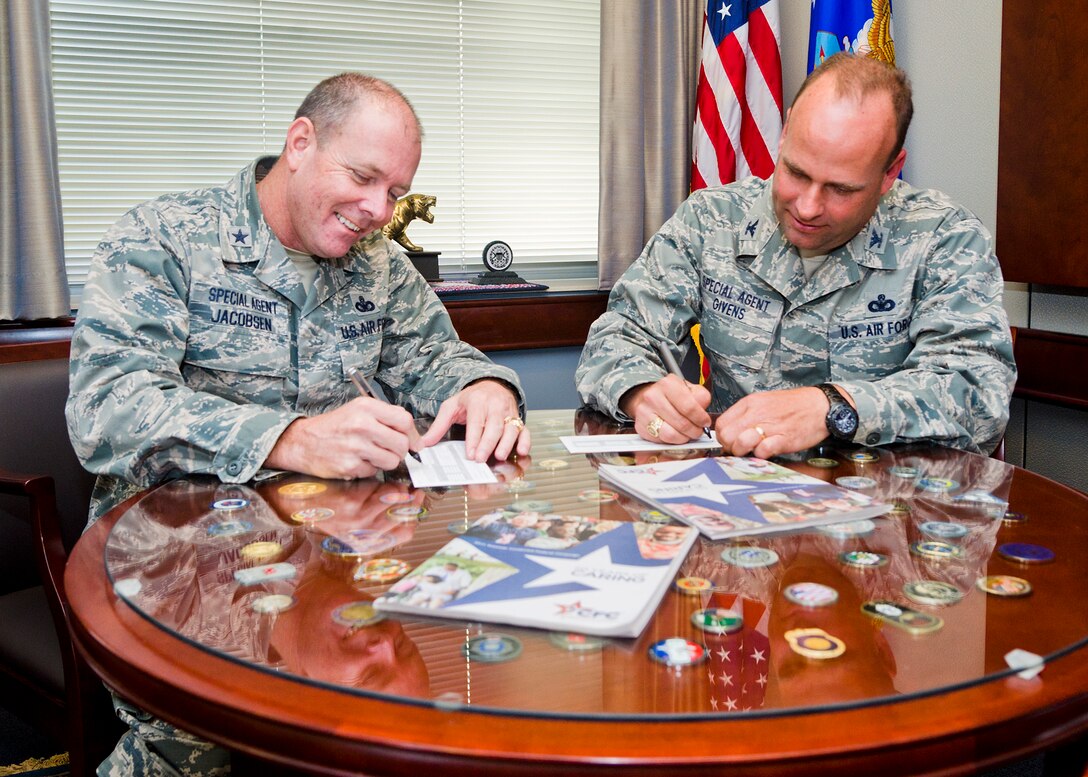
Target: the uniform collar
(774, 260)
(246, 238)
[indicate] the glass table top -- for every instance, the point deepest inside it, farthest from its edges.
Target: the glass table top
(193, 556)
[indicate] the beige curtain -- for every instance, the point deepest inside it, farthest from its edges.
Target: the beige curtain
(32, 280)
(649, 70)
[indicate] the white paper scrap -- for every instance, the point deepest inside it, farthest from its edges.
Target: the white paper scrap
(621, 443)
(446, 464)
(1031, 663)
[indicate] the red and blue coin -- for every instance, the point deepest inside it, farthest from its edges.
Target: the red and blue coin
(230, 504)
(811, 594)
(677, 651)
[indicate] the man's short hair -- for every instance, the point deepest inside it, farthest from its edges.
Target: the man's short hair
(857, 75)
(330, 103)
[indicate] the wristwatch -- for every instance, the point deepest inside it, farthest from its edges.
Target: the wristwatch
(842, 419)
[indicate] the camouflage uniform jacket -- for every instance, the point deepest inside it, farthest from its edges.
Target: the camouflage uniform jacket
(906, 317)
(196, 343)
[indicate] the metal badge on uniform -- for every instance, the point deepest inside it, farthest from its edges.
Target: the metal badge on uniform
(241, 237)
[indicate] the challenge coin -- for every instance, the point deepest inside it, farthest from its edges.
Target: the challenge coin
(863, 559)
(458, 527)
(811, 594)
(406, 513)
(1004, 585)
(718, 620)
(693, 585)
(936, 484)
(356, 615)
(492, 648)
(856, 482)
(254, 575)
(822, 462)
(945, 530)
(312, 515)
(903, 617)
(907, 473)
(848, 529)
(229, 528)
(271, 603)
(517, 486)
(576, 643)
(936, 549)
(653, 516)
(749, 557)
(261, 552)
(934, 592)
(553, 464)
(229, 504)
(815, 643)
(302, 489)
(600, 496)
(1025, 553)
(863, 456)
(382, 570)
(677, 651)
(1013, 517)
(395, 498)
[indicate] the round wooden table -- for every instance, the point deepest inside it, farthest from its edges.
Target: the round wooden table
(158, 613)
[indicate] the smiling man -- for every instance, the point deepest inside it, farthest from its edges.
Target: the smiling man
(218, 329)
(218, 326)
(834, 299)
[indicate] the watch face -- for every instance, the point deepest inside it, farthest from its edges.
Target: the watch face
(842, 421)
(498, 256)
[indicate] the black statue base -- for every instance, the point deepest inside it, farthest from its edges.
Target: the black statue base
(427, 264)
(496, 277)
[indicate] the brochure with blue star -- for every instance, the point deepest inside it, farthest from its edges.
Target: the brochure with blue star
(732, 496)
(566, 573)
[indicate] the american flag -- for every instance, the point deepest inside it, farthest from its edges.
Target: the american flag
(738, 114)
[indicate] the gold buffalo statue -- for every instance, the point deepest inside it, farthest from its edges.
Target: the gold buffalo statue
(407, 210)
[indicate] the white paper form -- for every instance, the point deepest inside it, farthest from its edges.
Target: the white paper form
(621, 443)
(445, 464)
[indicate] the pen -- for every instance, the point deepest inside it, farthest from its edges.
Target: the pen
(674, 368)
(367, 390)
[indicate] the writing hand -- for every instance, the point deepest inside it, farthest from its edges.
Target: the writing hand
(672, 407)
(354, 441)
(770, 423)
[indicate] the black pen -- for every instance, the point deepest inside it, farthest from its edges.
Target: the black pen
(674, 368)
(367, 390)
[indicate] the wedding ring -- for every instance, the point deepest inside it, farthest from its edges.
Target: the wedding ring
(654, 427)
(762, 434)
(513, 419)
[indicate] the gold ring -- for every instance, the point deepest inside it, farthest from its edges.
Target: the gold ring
(654, 427)
(513, 419)
(762, 434)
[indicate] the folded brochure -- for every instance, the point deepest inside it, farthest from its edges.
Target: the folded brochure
(560, 572)
(730, 496)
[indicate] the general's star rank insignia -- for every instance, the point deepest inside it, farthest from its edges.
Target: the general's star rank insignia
(241, 237)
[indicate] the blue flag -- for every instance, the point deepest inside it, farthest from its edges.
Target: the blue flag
(856, 26)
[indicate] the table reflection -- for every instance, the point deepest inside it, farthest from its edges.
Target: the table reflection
(280, 575)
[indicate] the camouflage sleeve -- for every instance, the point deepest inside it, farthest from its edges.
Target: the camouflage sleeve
(621, 348)
(956, 383)
(129, 412)
(423, 362)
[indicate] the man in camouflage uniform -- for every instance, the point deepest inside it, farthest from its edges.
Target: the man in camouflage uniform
(218, 327)
(832, 273)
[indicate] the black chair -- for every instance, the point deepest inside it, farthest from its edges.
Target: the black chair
(52, 687)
